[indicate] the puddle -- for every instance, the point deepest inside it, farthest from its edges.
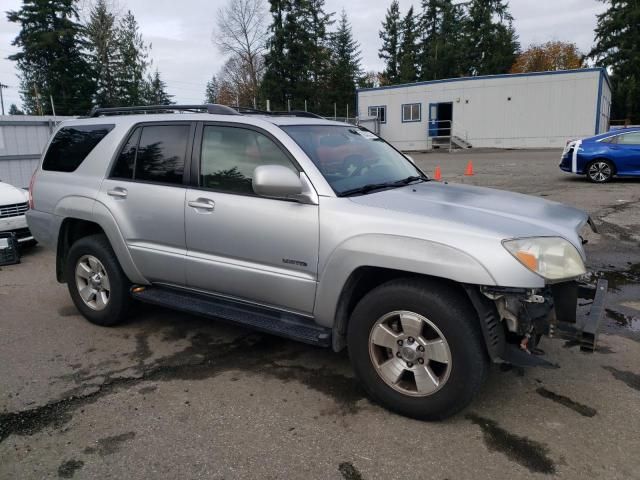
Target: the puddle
(631, 379)
(204, 358)
(619, 278)
(349, 472)
(68, 469)
(522, 450)
(565, 401)
(620, 320)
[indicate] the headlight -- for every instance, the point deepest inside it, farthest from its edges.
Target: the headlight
(553, 258)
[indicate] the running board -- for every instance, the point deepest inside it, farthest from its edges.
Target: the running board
(284, 324)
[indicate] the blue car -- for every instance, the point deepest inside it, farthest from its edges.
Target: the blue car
(600, 158)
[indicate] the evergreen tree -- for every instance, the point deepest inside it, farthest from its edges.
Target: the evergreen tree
(155, 91)
(390, 50)
(133, 62)
(51, 60)
(408, 53)
(345, 71)
(618, 48)
(490, 42)
(275, 83)
(14, 110)
(212, 91)
(320, 53)
(297, 59)
(104, 56)
(441, 25)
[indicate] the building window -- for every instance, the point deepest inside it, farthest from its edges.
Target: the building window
(380, 112)
(411, 112)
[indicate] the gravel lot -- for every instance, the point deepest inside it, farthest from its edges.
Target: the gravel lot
(175, 396)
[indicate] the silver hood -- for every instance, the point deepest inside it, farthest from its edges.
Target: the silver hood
(486, 211)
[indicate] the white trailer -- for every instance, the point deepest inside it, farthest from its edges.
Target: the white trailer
(528, 110)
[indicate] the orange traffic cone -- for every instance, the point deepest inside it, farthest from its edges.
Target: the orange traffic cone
(437, 175)
(469, 170)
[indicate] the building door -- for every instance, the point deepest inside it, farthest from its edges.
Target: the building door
(445, 119)
(433, 119)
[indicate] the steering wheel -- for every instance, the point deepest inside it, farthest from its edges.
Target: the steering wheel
(356, 161)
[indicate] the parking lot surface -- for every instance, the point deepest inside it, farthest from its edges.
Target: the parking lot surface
(169, 395)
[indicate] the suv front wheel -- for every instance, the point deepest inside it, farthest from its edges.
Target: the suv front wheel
(417, 348)
(98, 286)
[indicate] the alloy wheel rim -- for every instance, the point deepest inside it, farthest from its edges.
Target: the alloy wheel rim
(92, 282)
(600, 171)
(409, 353)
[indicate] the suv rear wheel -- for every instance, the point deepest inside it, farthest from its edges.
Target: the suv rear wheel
(98, 286)
(417, 348)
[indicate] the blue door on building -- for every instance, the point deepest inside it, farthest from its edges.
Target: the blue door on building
(433, 119)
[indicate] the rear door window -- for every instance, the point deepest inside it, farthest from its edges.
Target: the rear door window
(629, 139)
(71, 145)
(154, 153)
(161, 153)
(127, 159)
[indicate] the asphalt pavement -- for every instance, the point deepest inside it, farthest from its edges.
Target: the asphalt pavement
(169, 395)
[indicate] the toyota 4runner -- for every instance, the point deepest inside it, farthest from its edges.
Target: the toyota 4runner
(314, 230)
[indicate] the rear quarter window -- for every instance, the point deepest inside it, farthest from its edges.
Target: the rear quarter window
(71, 145)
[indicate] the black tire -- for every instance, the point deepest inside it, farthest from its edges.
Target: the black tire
(116, 308)
(450, 311)
(600, 171)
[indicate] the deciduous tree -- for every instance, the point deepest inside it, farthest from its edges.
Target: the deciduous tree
(549, 56)
(241, 32)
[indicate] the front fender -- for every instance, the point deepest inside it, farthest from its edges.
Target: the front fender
(392, 252)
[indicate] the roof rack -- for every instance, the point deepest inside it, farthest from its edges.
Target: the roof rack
(292, 113)
(212, 108)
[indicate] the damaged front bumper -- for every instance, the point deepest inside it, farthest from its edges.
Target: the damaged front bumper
(514, 319)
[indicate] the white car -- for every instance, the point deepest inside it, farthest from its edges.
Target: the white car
(14, 203)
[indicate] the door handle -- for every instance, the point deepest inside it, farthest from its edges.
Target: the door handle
(117, 192)
(202, 204)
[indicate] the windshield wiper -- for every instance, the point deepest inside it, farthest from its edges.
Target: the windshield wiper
(413, 178)
(377, 186)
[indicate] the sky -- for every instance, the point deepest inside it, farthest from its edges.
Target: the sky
(182, 49)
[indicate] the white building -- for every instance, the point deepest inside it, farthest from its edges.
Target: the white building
(529, 110)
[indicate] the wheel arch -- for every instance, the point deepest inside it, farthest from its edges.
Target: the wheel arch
(366, 278)
(362, 263)
(73, 228)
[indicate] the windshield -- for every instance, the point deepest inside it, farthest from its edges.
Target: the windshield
(352, 158)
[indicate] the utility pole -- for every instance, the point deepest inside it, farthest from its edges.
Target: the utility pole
(2, 87)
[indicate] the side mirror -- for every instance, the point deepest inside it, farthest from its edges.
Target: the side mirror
(276, 181)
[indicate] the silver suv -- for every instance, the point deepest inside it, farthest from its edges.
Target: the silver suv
(314, 230)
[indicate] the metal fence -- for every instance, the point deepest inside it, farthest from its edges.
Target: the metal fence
(22, 140)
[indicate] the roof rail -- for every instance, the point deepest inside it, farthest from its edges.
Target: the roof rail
(212, 108)
(292, 113)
